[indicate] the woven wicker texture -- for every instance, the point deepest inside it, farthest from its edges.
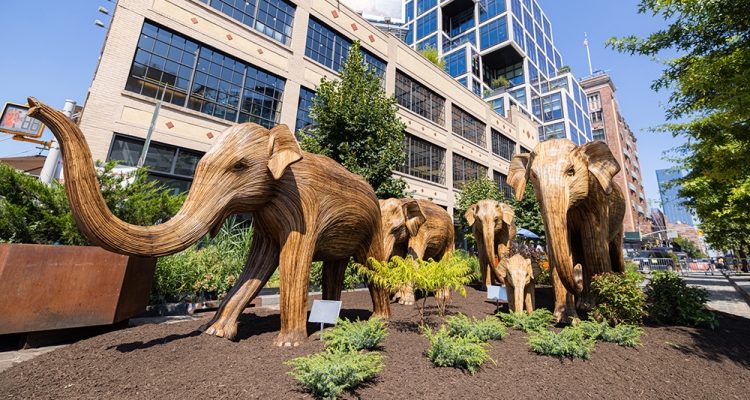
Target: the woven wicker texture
(519, 280)
(493, 228)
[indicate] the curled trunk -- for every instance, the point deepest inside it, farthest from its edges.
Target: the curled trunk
(93, 216)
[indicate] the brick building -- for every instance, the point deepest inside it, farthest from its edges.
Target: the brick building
(608, 125)
(219, 62)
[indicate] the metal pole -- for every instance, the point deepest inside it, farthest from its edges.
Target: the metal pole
(591, 71)
(151, 127)
(50, 168)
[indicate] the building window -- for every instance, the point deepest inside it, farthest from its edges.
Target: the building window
(476, 87)
(217, 89)
(552, 107)
(554, 131)
(425, 5)
(515, 6)
(599, 134)
(455, 63)
(172, 166)
(162, 60)
(303, 109)
(513, 73)
(520, 96)
(468, 127)
(409, 11)
(518, 35)
(458, 24)
(425, 161)
(327, 47)
(525, 150)
(427, 25)
(493, 33)
(465, 170)
(503, 146)
(596, 116)
(490, 8)
(273, 18)
(417, 98)
(502, 185)
(499, 106)
(429, 42)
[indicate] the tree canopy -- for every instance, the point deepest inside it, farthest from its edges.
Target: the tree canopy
(710, 93)
(355, 124)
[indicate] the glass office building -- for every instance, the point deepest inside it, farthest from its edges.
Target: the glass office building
(482, 40)
(670, 200)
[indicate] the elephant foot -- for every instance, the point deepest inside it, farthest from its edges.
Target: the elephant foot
(221, 327)
(565, 313)
(443, 294)
(585, 303)
(397, 296)
(407, 298)
(292, 338)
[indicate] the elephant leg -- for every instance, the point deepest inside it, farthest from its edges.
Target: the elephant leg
(416, 251)
(529, 297)
(294, 280)
(381, 303)
(510, 292)
(596, 258)
(615, 253)
(565, 308)
(261, 263)
(333, 278)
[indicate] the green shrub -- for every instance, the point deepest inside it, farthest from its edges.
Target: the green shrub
(464, 352)
(207, 269)
(490, 328)
(329, 373)
(570, 342)
(355, 336)
(631, 267)
(351, 278)
(623, 334)
(619, 298)
(540, 319)
(472, 261)
(671, 301)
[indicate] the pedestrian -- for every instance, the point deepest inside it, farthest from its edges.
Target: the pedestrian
(710, 266)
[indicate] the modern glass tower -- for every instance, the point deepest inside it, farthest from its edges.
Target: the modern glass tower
(670, 200)
(482, 40)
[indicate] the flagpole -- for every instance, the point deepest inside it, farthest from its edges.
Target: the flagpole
(586, 43)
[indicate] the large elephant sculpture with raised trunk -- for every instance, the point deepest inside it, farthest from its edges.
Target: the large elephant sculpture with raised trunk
(582, 209)
(306, 208)
(419, 228)
(493, 228)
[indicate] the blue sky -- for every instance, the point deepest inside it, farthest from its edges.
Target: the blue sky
(52, 55)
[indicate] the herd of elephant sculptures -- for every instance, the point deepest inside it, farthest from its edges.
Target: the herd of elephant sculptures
(307, 207)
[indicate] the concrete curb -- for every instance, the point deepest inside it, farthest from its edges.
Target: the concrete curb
(739, 289)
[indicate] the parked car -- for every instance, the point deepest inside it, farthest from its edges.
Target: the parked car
(655, 259)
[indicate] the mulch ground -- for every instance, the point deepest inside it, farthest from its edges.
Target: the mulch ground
(176, 361)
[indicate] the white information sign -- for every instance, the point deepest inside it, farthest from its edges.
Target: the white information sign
(325, 312)
(497, 293)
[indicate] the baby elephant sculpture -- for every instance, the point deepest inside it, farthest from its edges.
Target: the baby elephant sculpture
(493, 228)
(520, 282)
(582, 211)
(306, 208)
(419, 228)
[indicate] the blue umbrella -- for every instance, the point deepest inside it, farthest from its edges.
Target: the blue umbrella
(526, 233)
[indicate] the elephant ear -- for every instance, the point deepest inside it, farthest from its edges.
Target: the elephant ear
(602, 163)
(518, 173)
(502, 269)
(412, 215)
(470, 214)
(283, 150)
(506, 212)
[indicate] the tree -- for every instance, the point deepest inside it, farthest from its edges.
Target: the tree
(688, 247)
(708, 106)
(528, 214)
(431, 53)
(356, 125)
(32, 212)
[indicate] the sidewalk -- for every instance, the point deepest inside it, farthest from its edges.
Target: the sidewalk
(724, 296)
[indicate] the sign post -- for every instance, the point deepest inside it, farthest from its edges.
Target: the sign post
(497, 293)
(325, 312)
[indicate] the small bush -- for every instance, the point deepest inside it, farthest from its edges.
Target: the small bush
(631, 267)
(490, 328)
(570, 342)
(619, 298)
(355, 336)
(540, 319)
(329, 373)
(464, 352)
(622, 334)
(472, 262)
(672, 301)
(351, 277)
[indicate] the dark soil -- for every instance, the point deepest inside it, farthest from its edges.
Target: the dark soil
(176, 361)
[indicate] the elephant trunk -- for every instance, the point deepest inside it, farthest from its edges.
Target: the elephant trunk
(489, 266)
(558, 239)
(93, 216)
(518, 294)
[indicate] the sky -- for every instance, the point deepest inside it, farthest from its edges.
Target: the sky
(52, 55)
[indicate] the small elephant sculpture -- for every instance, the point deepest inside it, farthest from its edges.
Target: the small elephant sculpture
(582, 209)
(493, 228)
(419, 228)
(306, 208)
(520, 282)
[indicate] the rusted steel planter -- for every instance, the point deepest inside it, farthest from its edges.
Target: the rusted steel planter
(44, 287)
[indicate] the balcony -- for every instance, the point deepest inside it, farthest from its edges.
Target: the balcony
(632, 187)
(640, 210)
(626, 152)
(634, 175)
(640, 194)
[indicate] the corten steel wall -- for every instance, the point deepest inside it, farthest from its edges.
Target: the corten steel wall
(620, 140)
(111, 109)
(45, 287)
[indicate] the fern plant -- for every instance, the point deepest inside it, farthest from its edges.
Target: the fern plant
(329, 373)
(490, 328)
(355, 336)
(570, 342)
(464, 352)
(540, 319)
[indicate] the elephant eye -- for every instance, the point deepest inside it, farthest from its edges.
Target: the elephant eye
(239, 165)
(571, 171)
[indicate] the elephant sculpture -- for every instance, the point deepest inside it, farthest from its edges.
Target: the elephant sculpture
(493, 228)
(582, 209)
(306, 208)
(419, 228)
(520, 282)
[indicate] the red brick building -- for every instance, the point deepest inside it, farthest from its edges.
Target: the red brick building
(608, 124)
